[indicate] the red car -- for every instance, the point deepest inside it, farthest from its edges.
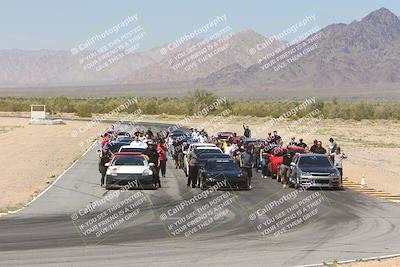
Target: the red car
(276, 158)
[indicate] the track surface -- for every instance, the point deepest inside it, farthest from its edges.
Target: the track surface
(348, 225)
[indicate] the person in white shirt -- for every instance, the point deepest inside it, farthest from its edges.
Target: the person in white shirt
(138, 143)
(338, 160)
(195, 135)
(202, 139)
(229, 149)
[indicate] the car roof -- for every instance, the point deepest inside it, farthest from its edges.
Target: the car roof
(208, 147)
(220, 160)
(313, 155)
(129, 146)
(128, 154)
(204, 144)
(215, 154)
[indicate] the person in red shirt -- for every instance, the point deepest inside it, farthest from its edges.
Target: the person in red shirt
(162, 158)
(105, 141)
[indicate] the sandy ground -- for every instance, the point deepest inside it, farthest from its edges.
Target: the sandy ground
(395, 262)
(372, 147)
(34, 155)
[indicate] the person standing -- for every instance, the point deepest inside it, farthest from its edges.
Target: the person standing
(319, 149)
(276, 139)
(246, 163)
(285, 168)
(178, 153)
(332, 149)
(338, 161)
(162, 158)
(293, 142)
(264, 160)
(193, 169)
(256, 154)
(105, 157)
(247, 131)
(301, 143)
(152, 156)
(314, 146)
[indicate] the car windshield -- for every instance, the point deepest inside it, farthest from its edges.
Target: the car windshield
(207, 151)
(129, 160)
(212, 156)
(223, 166)
(132, 149)
(314, 161)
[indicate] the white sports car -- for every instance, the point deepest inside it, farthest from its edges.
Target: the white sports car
(129, 168)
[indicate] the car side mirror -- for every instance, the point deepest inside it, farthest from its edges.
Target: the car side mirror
(292, 164)
(107, 164)
(151, 164)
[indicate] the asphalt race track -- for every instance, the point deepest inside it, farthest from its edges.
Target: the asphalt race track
(335, 225)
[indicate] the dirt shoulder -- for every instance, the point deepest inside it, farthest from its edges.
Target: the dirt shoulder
(394, 262)
(34, 155)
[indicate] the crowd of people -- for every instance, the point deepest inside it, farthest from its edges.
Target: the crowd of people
(155, 152)
(251, 157)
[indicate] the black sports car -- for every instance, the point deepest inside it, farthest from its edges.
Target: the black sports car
(223, 171)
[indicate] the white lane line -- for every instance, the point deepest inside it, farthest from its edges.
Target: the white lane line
(55, 181)
(351, 261)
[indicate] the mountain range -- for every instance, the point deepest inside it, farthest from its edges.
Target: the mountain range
(356, 60)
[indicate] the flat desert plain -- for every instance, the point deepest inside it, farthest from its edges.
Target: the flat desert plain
(34, 155)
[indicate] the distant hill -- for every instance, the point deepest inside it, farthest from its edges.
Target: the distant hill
(360, 59)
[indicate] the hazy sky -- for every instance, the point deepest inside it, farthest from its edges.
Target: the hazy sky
(56, 24)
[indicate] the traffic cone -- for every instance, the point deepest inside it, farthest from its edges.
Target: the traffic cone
(363, 181)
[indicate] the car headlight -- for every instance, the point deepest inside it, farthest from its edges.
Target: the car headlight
(147, 172)
(334, 174)
(305, 174)
(113, 172)
(240, 175)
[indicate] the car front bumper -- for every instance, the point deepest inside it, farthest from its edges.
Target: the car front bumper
(136, 181)
(320, 181)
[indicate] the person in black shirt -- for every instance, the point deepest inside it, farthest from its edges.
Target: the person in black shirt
(314, 146)
(105, 157)
(152, 154)
(285, 168)
(276, 139)
(247, 131)
(319, 149)
(301, 143)
(149, 133)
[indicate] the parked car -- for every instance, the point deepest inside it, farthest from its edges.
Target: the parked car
(276, 159)
(128, 167)
(189, 150)
(223, 170)
(116, 145)
(224, 136)
(130, 148)
(314, 170)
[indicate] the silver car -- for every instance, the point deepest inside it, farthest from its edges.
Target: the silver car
(314, 170)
